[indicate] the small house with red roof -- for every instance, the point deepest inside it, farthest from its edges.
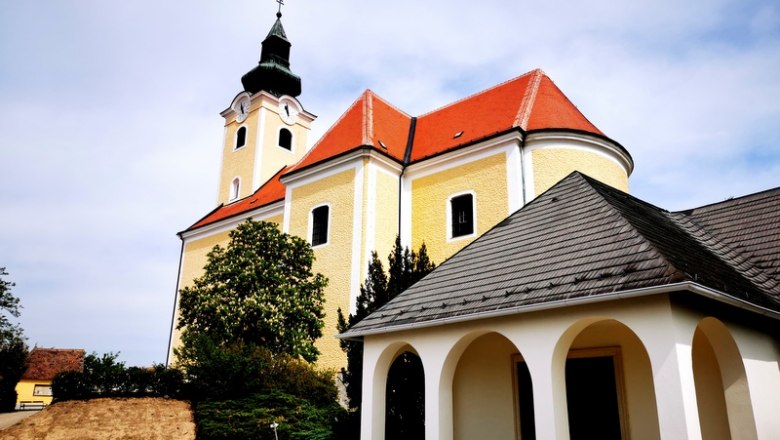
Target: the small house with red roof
(34, 389)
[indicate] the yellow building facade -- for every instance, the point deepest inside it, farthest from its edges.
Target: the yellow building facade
(443, 178)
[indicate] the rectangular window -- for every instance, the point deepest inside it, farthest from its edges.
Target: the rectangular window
(319, 225)
(42, 390)
(462, 208)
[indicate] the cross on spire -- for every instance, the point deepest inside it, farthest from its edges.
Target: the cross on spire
(279, 12)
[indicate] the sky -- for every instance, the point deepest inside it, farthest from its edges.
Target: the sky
(110, 134)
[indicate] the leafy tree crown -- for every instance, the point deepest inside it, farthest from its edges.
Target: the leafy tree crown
(261, 290)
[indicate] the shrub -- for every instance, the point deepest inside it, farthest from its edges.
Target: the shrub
(13, 363)
(70, 385)
(104, 377)
(215, 372)
(7, 397)
(251, 418)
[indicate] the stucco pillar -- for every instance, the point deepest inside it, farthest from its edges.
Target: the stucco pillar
(438, 405)
(547, 378)
(439, 371)
(372, 417)
(668, 338)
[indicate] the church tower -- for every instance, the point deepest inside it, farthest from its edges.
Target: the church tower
(266, 127)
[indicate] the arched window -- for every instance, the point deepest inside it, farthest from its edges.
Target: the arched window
(462, 215)
(285, 139)
(240, 138)
(235, 187)
(319, 225)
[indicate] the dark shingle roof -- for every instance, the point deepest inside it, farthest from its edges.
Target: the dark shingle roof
(579, 239)
(749, 224)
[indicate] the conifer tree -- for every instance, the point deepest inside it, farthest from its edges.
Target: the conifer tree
(405, 269)
(13, 349)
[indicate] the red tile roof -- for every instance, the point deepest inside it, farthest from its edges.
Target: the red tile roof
(45, 363)
(369, 121)
(270, 192)
(530, 102)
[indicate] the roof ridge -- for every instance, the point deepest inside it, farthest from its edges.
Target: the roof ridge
(700, 238)
(605, 192)
(529, 99)
(329, 130)
(389, 104)
(730, 255)
(574, 106)
(758, 195)
(368, 118)
(478, 93)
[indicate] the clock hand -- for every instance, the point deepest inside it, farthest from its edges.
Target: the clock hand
(287, 109)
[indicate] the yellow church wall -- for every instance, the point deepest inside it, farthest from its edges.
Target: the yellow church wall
(486, 178)
(276, 219)
(193, 261)
(386, 226)
(195, 258)
(334, 258)
(550, 165)
(274, 156)
(238, 163)
(25, 391)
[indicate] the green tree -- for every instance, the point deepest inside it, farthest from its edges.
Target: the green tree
(13, 350)
(405, 269)
(259, 290)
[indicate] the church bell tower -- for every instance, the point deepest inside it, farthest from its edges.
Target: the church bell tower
(266, 127)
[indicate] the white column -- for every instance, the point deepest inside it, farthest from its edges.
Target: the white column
(548, 382)
(439, 367)
(668, 339)
(372, 417)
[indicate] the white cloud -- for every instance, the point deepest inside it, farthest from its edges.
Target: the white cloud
(110, 133)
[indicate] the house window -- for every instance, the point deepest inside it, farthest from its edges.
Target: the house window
(319, 225)
(235, 187)
(285, 139)
(42, 390)
(462, 212)
(240, 137)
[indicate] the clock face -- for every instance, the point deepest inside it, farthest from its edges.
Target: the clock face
(288, 110)
(242, 110)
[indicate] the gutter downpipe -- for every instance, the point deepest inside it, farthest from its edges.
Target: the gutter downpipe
(521, 145)
(684, 286)
(407, 155)
(175, 305)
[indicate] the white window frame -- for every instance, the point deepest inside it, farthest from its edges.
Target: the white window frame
(235, 137)
(327, 229)
(42, 389)
(292, 139)
(235, 189)
(448, 218)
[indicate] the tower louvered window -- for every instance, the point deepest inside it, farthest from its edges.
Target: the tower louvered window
(285, 139)
(240, 138)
